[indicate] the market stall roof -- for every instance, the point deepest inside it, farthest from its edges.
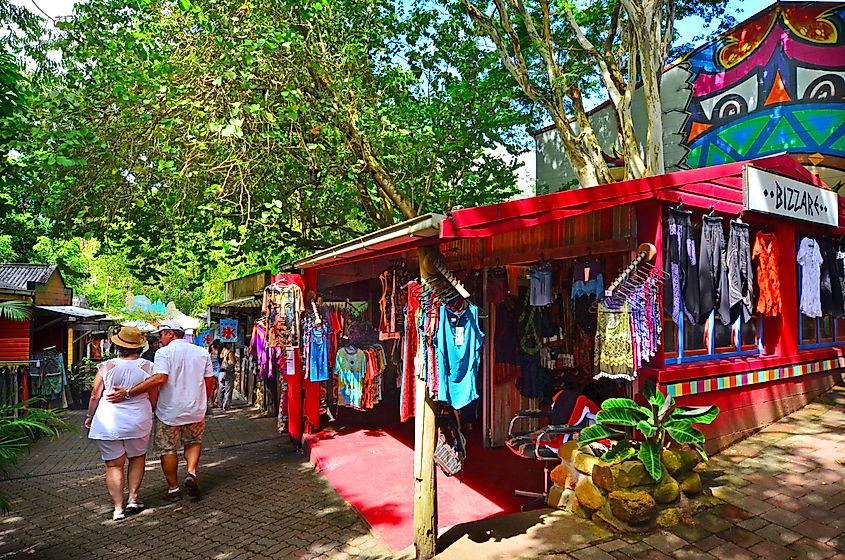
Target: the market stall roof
(403, 236)
(73, 311)
(720, 186)
(248, 301)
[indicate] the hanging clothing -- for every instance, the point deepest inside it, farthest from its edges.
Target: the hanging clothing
(810, 258)
(682, 265)
(840, 270)
(830, 288)
(710, 265)
(504, 337)
(766, 254)
(458, 342)
(540, 284)
(614, 357)
(258, 350)
(282, 306)
(410, 352)
(350, 368)
(740, 276)
(497, 286)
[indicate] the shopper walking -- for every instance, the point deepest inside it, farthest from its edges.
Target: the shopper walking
(214, 354)
(122, 427)
(227, 377)
(184, 375)
(153, 344)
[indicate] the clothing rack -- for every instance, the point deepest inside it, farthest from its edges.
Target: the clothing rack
(632, 277)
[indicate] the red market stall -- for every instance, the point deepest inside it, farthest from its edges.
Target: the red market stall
(536, 271)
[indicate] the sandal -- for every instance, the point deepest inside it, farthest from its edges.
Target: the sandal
(118, 514)
(134, 505)
(192, 485)
(172, 495)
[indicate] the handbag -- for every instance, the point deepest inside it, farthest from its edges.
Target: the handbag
(450, 451)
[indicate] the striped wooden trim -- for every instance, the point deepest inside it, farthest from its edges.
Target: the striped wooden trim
(695, 387)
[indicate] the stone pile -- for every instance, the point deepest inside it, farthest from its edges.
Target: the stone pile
(623, 495)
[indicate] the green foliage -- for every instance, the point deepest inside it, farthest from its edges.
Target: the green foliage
(20, 425)
(15, 310)
(658, 426)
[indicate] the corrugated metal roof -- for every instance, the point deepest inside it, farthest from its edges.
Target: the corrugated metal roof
(73, 311)
(18, 276)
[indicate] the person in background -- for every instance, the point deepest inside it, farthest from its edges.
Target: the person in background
(153, 344)
(183, 375)
(227, 376)
(122, 427)
(214, 354)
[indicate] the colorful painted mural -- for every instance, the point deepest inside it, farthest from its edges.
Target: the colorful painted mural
(774, 84)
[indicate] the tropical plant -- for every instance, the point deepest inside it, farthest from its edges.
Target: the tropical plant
(20, 425)
(15, 310)
(657, 425)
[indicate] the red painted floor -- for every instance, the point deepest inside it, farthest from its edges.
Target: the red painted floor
(368, 458)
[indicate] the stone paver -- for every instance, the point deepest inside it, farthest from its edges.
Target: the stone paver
(261, 500)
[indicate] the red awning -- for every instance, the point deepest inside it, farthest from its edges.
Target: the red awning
(719, 186)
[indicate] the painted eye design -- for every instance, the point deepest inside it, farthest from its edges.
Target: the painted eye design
(730, 107)
(733, 102)
(820, 85)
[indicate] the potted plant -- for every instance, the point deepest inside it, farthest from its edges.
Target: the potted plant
(81, 380)
(656, 427)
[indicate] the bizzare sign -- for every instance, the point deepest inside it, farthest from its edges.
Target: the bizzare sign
(782, 196)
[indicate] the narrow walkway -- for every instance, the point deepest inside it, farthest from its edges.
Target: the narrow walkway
(784, 493)
(261, 500)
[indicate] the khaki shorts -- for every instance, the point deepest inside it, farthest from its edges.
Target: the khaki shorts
(167, 437)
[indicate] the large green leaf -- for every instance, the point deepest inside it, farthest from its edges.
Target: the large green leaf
(696, 415)
(683, 432)
(653, 395)
(619, 403)
(664, 410)
(595, 432)
(621, 416)
(15, 310)
(646, 427)
(649, 454)
(624, 449)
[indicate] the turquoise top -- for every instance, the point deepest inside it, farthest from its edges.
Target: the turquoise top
(457, 344)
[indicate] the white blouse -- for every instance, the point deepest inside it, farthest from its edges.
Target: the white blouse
(810, 259)
(125, 419)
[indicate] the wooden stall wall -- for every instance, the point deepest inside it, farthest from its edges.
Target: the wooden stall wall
(14, 340)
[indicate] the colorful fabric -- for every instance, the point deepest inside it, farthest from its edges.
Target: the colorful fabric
(282, 307)
(614, 357)
(458, 341)
(766, 255)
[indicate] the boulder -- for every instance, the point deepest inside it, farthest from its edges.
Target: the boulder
(679, 460)
(585, 462)
(578, 510)
(559, 497)
(567, 450)
(667, 490)
(588, 494)
(603, 477)
(631, 473)
(635, 508)
(691, 484)
(669, 517)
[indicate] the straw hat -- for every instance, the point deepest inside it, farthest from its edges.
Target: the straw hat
(129, 337)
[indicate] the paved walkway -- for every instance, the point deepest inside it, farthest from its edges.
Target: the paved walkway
(784, 494)
(262, 500)
(783, 489)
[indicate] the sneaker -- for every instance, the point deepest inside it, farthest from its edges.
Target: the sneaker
(134, 505)
(118, 514)
(172, 495)
(192, 485)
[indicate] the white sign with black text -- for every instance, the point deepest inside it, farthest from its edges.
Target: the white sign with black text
(775, 194)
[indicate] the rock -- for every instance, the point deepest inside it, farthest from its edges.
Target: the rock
(603, 477)
(567, 450)
(631, 473)
(632, 507)
(559, 497)
(584, 462)
(578, 510)
(691, 484)
(667, 490)
(588, 494)
(679, 460)
(559, 474)
(669, 517)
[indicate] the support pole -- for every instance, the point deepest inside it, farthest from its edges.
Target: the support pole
(425, 477)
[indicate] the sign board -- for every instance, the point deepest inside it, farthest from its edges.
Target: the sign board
(204, 338)
(228, 330)
(770, 193)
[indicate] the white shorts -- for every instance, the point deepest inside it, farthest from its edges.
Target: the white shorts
(114, 449)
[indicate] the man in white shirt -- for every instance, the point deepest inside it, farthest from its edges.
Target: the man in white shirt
(184, 379)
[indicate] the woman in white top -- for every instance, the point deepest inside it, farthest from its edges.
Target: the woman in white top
(122, 429)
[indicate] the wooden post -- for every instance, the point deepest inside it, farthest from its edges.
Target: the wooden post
(425, 477)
